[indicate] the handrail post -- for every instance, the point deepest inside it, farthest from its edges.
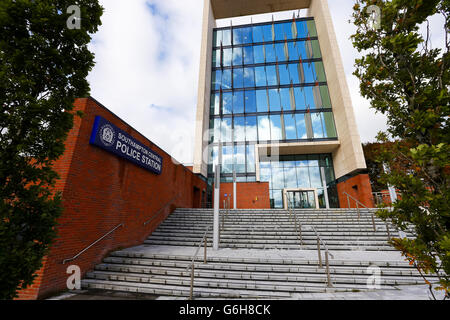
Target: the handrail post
(328, 269)
(318, 252)
(191, 291)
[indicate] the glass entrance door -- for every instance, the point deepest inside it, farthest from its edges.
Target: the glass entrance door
(301, 199)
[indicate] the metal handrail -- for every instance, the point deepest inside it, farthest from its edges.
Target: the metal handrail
(357, 209)
(192, 265)
(298, 227)
(160, 210)
(98, 240)
(327, 252)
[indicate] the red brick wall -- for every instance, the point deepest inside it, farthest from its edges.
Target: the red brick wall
(251, 195)
(101, 191)
(358, 187)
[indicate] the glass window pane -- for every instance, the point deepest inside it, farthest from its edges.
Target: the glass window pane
(288, 30)
(316, 120)
(309, 97)
(247, 35)
(227, 159)
(238, 102)
(258, 54)
(284, 74)
(290, 177)
(280, 51)
(267, 32)
(251, 131)
(226, 79)
(226, 130)
(250, 158)
(277, 178)
(320, 71)
(285, 99)
(239, 129)
(328, 125)
(293, 73)
(258, 34)
(248, 55)
(260, 76)
(293, 51)
(227, 57)
(325, 95)
(301, 126)
(250, 101)
(237, 56)
(226, 37)
(237, 36)
(302, 30)
(279, 31)
(289, 127)
(314, 174)
(303, 177)
(239, 158)
(249, 77)
(278, 199)
(272, 79)
(216, 58)
(227, 102)
(274, 100)
(312, 32)
(265, 174)
(262, 104)
(217, 38)
(263, 128)
(238, 78)
(270, 53)
(316, 49)
(217, 123)
(215, 103)
(216, 79)
(299, 94)
(301, 48)
(275, 127)
(309, 72)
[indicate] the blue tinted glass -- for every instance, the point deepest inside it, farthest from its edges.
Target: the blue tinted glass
(227, 57)
(215, 103)
(309, 72)
(216, 58)
(217, 123)
(250, 158)
(288, 30)
(251, 131)
(238, 78)
(293, 73)
(277, 179)
(274, 100)
(314, 174)
(289, 127)
(309, 97)
(271, 75)
(301, 29)
(301, 126)
(275, 127)
(279, 49)
(227, 159)
(316, 120)
(216, 79)
(258, 54)
(247, 35)
(279, 31)
(217, 38)
(237, 36)
(239, 129)
(227, 103)
(226, 79)
(267, 32)
(263, 128)
(239, 158)
(226, 38)
(266, 173)
(249, 77)
(284, 74)
(270, 53)
(250, 101)
(260, 76)
(301, 49)
(237, 56)
(299, 95)
(290, 177)
(248, 55)
(293, 51)
(238, 102)
(261, 100)
(258, 34)
(285, 99)
(226, 130)
(303, 180)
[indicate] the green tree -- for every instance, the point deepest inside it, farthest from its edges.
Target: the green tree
(43, 68)
(407, 79)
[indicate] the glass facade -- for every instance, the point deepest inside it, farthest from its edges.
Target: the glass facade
(268, 85)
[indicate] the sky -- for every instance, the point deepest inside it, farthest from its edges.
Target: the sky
(147, 55)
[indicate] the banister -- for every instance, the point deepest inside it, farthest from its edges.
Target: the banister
(357, 201)
(191, 265)
(98, 240)
(161, 209)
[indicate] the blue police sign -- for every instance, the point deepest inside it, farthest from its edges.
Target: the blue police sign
(110, 138)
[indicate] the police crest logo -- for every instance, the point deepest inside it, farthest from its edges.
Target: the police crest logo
(107, 135)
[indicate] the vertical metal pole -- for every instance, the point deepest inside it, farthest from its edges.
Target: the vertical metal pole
(191, 291)
(318, 251)
(234, 190)
(216, 207)
(325, 189)
(328, 269)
